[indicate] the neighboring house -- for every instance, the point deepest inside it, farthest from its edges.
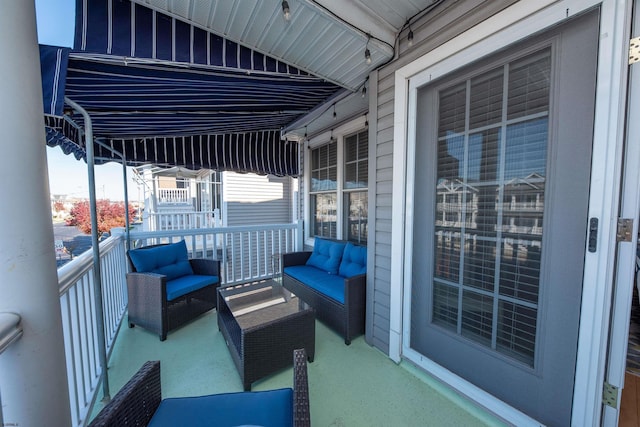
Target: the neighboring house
(183, 199)
(179, 198)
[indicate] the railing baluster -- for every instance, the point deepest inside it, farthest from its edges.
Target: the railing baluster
(248, 259)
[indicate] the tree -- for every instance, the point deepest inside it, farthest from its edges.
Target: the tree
(110, 215)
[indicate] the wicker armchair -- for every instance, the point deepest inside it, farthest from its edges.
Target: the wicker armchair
(153, 302)
(140, 403)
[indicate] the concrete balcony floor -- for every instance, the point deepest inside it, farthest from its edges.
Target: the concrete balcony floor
(354, 385)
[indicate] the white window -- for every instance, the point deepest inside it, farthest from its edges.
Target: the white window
(338, 188)
(324, 184)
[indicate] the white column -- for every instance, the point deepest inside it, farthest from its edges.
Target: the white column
(33, 375)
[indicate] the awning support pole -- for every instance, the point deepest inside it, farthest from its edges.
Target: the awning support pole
(97, 275)
(126, 190)
(127, 225)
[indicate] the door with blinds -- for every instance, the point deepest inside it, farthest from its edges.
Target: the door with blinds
(503, 155)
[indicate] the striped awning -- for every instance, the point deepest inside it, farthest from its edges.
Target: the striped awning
(163, 91)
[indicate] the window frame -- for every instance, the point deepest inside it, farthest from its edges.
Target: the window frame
(339, 134)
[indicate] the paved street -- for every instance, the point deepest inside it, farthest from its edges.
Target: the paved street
(74, 241)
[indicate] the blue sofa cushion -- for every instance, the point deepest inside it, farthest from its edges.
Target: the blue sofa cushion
(261, 408)
(330, 285)
(185, 284)
(326, 255)
(354, 261)
(170, 260)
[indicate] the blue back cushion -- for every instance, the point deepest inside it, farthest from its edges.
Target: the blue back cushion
(262, 408)
(171, 260)
(326, 255)
(354, 261)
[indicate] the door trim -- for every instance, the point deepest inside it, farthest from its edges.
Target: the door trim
(487, 37)
(626, 256)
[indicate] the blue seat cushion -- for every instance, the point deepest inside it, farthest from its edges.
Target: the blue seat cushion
(185, 284)
(273, 408)
(170, 260)
(354, 260)
(326, 255)
(330, 285)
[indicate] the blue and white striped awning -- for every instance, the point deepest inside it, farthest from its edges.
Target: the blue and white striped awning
(163, 91)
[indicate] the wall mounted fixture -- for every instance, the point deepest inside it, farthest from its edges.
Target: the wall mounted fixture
(285, 10)
(367, 52)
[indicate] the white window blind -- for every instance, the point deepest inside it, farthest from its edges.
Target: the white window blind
(491, 169)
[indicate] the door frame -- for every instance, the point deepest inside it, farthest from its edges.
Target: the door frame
(513, 24)
(626, 255)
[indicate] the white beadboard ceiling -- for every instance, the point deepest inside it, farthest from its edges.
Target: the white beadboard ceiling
(327, 38)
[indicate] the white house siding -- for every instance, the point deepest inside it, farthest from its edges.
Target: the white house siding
(251, 199)
(254, 199)
(437, 27)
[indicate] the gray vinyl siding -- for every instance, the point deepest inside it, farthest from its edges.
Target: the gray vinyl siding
(437, 27)
(253, 199)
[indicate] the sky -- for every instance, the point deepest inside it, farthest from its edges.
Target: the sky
(55, 19)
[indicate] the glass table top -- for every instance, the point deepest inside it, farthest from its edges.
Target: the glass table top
(258, 303)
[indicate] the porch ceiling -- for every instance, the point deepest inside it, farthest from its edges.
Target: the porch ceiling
(326, 38)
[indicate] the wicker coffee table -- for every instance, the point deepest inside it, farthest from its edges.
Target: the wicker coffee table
(262, 324)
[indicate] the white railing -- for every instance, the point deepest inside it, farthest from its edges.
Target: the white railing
(79, 325)
(246, 253)
(163, 221)
(10, 331)
(173, 195)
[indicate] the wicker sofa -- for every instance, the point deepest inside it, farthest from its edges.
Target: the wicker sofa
(166, 289)
(140, 403)
(331, 279)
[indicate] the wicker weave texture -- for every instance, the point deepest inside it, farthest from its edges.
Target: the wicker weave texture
(148, 305)
(266, 348)
(136, 403)
(347, 319)
(301, 409)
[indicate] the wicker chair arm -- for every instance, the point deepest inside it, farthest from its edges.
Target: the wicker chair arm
(147, 292)
(355, 290)
(148, 283)
(205, 267)
(136, 402)
(301, 413)
(295, 258)
(355, 283)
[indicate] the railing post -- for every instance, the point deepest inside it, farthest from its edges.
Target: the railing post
(299, 235)
(10, 331)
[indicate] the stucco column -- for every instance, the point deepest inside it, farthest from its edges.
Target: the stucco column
(33, 375)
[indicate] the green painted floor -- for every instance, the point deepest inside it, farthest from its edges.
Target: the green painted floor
(354, 385)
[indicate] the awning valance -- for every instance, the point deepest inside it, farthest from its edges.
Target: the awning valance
(53, 67)
(162, 91)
